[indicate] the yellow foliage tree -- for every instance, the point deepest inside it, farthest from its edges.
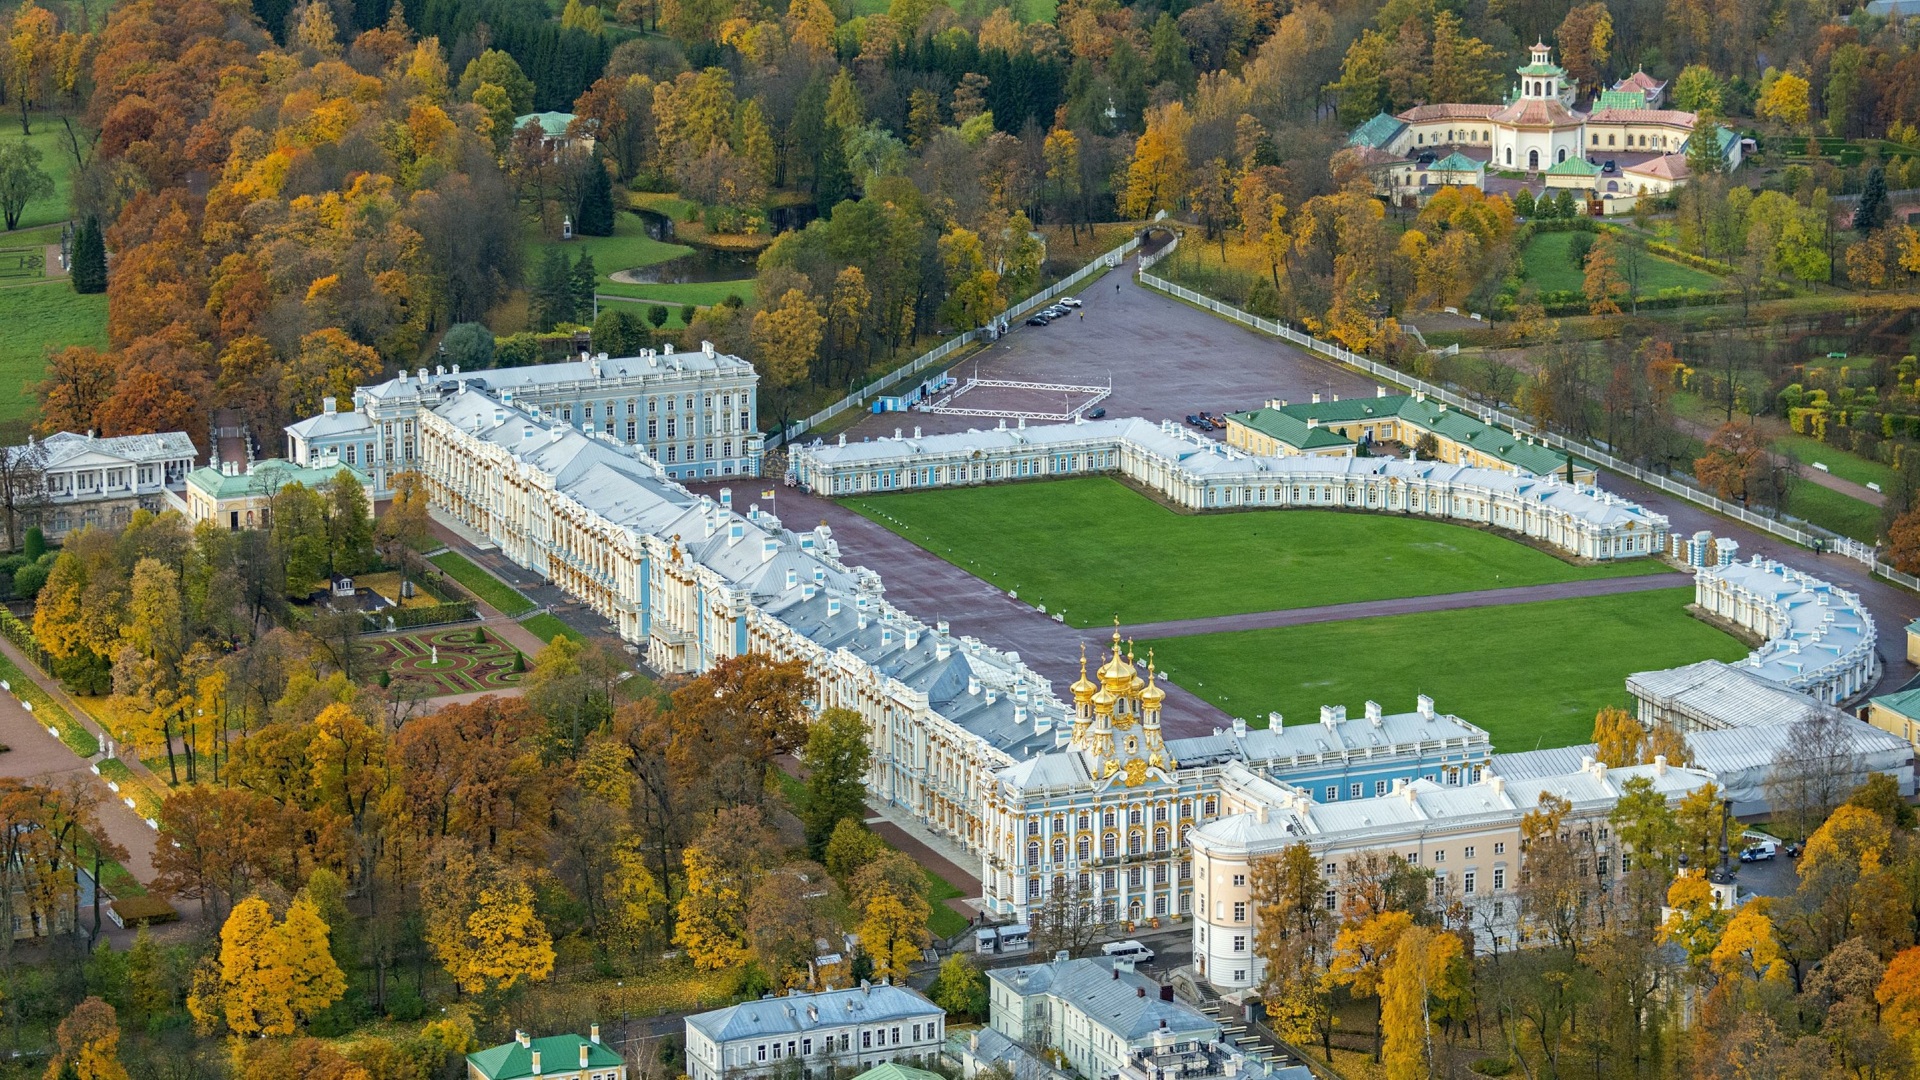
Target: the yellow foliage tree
(1788, 99)
(1418, 973)
(1157, 175)
(1361, 953)
(271, 976)
(893, 931)
(1899, 993)
(712, 915)
(498, 942)
(1619, 737)
(1853, 836)
(1749, 948)
(1695, 922)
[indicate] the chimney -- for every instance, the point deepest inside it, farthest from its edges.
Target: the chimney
(735, 531)
(329, 406)
(439, 369)
(1499, 784)
(769, 547)
(1316, 397)
(1379, 391)
(1373, 712)
(1061, 956)
(833, 606)
(593, 1034)
(456, 369)
(1239, 727)
(973, 684)
(707, 347)
(1140, 991)
(536, 1063)
(586, 1053)
(1659, 764)
(793, 578)
(1424, 705)
(726, 497)
(1166, 993)
(423, 374)
(1116, 973)
(522, 1037)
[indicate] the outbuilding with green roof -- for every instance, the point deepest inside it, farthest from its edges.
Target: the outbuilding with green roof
(555, 1057)
(1336, 428)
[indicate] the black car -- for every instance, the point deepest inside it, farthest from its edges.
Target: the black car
(1038, 320)
(1607, 168)
(1096, 414)
(1194, 420)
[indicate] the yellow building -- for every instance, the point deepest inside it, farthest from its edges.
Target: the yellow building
(1338, 428)
(1898, 712)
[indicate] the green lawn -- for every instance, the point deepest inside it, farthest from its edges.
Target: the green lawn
(1549, 268)
(1843, 514)
(41, 317)
(698, 293)
(1092, 548)
(1842, 463)
(56, 160)
(491, 590)
(547, 627)
(628, 247)
(1533, 675)
(943, 920)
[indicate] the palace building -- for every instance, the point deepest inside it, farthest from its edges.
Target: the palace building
(694, 413)
(1625, 146)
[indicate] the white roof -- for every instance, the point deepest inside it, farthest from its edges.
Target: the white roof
(65, 447)
(1206, 459)
(800, 1013)
(1823, 622)
(1726, 695)
(332, 425)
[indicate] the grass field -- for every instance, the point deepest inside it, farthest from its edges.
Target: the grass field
(1841, 463)
(1533, 675)
(1094, 548)
(39, 317)
(56, 160)
(491, 590)
(698, 293)
(547, 627)
(1549, 268)
(1842, 513)
(628, 247)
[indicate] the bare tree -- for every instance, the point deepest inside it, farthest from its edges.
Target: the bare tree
(23, 486)
(1813, 772)
(1069, 920)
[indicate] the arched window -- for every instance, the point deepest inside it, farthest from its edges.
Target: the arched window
(1106, 819)
(1159, 839)
(1086, 820)
(1133, 843)
(1109, 846)
(1084, 849)
(1533, 160)
(1059, 850)
(1033, 854)
(1133, 816)
(1563, 154)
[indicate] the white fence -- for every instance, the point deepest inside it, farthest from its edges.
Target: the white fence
(1800, 532)
(1010, 317)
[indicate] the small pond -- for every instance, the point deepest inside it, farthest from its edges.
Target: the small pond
(703, 264)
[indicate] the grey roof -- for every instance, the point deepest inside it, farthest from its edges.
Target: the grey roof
(1824, 623)
(661, 364)
(332, 425)
(788, 575)
(1124, 1003)
(1335, 733)
(799, 1013)
(988, 1047)
(1726, 694)
(64, 446)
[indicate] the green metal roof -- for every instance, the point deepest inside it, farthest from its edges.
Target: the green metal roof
(1377, 132)
(269, 475)
(558, 1053)
(1290, 430)
(1546, 70)
(895, 1071)
(552, 124)
(1574, 166)
(1456, 162)
(1288, 424)
(1621, 99)
(1904, 702)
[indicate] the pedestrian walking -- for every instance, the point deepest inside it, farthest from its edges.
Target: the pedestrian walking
(1083, 316)
(1116, 286)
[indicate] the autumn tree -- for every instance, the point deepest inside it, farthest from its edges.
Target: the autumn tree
(482, 926)
(271, 976)
(786, 339)
(88, 1041)
(836, 760)
(1156, 178)
(1584, 38)
(1735, 456)
(1426, 964)
(22, 180)
(1603, 284)
(1361, 955)
(1619, 737)
(1784, 97)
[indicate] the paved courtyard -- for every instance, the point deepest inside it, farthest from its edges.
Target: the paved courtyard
(1163, 358)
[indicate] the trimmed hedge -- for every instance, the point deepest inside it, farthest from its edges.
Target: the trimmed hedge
(1711, 266)
(408, 618)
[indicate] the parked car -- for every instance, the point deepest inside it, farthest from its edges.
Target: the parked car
(1096, 414)
(1760, 852)
(1792, 850)
(1038, 320)
(1193, 419)
(1070, 301)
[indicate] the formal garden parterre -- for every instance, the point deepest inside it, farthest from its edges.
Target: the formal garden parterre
(454, 660)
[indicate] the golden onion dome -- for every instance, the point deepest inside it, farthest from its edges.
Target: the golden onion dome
(1152, 696)
(1103, 701)
(1082, 688)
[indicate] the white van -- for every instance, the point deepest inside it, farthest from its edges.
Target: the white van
(1128, 950)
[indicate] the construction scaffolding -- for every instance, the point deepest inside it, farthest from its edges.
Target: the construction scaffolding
(948, 404)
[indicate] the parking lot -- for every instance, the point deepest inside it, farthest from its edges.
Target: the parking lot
(1163, 359)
